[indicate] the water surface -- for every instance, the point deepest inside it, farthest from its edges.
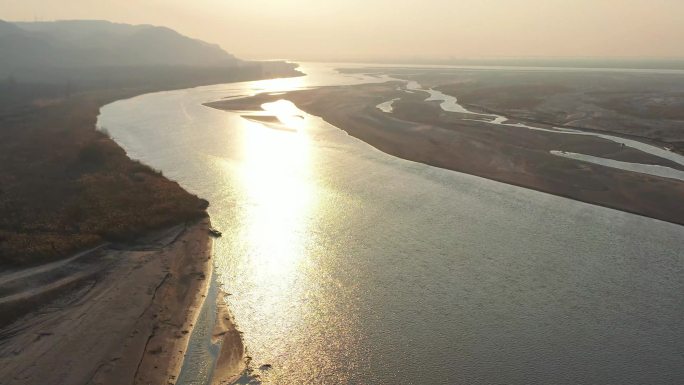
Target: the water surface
(349, 266)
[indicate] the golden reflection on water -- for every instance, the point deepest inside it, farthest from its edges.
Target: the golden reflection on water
(279, 85)
(287, 113)
(275, 174)
(285, 297)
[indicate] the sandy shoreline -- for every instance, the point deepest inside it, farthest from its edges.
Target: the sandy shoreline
(127, 319)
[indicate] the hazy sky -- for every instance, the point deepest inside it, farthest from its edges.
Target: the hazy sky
(386, 29)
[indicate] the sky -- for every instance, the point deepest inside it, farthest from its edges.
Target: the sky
(396, 29)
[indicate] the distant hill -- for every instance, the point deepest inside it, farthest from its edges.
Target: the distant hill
(90, 43)
(6, 28)
(52, 60)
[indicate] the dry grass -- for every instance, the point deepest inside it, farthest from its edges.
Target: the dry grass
(65, 186)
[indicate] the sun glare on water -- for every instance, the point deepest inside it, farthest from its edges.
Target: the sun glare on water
(275, 174)
(277, 265)
(287, 113)
(279, 85)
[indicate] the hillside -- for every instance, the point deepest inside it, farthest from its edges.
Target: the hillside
(86, 43)
(48, 60)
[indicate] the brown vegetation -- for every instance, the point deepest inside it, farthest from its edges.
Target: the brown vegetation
(65, 186)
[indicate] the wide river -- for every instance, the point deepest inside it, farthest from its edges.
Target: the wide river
(346, 265)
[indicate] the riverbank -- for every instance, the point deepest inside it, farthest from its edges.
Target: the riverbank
(127, 321)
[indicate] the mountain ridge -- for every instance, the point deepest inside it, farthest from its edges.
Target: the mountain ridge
(97, 43)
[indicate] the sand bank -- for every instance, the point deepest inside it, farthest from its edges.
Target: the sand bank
(421, 131)
(125, 317)
(230, 363)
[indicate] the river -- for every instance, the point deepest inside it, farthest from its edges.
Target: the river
(346, 265)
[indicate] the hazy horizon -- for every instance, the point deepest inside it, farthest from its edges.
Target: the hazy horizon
(383, 30)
